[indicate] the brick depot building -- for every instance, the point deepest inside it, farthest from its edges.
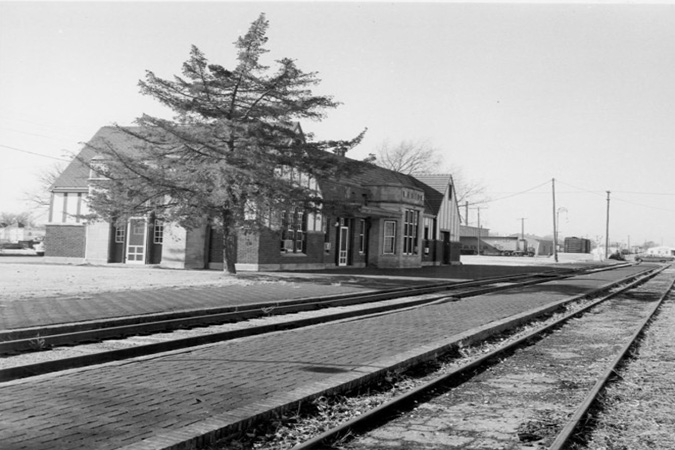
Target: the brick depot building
(398, 221)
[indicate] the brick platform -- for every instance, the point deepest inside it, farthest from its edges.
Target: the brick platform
(34, 312)
(164, 401)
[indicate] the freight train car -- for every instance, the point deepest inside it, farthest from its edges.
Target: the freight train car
(577, 245)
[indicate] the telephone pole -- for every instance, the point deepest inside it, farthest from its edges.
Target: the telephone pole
(479, 231)
(607, 229)
(555, 225)
(522, 233)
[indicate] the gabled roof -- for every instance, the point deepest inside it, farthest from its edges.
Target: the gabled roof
(435, 188)
(439, 182)
(76, 174)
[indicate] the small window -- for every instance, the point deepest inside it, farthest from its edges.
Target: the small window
(64, 217)
(362, 236)
(389, 237)
(158, 235)
(119, 235)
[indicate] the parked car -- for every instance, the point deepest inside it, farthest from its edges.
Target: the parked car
(617, 256)
(654, 258)
(39, 248)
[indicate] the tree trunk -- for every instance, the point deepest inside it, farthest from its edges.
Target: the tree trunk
(229, 243)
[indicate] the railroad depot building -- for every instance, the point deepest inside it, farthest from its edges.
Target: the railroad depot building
(396, 221)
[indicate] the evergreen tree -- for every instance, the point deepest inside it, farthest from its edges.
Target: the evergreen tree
(225, 156)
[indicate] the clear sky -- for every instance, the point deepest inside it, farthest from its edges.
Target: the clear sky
(514, 94)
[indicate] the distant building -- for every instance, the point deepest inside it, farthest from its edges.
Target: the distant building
(661, 251)
(501, 245)
(14, 233)
(539, 246)
(469, 239)
(514, 244)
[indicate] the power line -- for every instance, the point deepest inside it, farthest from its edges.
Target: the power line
(33, 153)
(55, 136)
(599, 193)
(516, 193)
(643, 205)
(33, 134)
(645, 193)
(629, 192)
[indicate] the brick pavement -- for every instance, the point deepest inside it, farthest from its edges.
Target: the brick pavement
(252, 288)
(162, 400)
(27, 313)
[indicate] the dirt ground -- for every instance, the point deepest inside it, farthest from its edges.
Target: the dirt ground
(26, 277)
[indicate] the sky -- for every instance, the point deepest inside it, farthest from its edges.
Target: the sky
(513, 95)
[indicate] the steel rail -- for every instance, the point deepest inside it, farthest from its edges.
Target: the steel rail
(576, 418)
(118, 328)
(400, 402)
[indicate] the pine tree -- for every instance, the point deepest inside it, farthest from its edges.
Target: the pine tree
(221, 159)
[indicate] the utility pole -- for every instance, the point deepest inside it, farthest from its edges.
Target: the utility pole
(555, 225)
(466, 212)
(479, 230)
(607, 229)
(522, 234)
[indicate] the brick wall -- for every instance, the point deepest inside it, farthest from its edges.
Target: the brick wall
(248, 248)
(268, 250)
(65, 241)
(455, 250)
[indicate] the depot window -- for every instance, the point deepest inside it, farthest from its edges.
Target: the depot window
(294, 231)
(389, 237)
(410, 227)
(119, 235)
(158, 235)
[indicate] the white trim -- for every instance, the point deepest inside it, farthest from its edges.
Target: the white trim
(128, 246)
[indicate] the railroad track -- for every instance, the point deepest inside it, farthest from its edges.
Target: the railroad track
(371, 303)
(533, 389)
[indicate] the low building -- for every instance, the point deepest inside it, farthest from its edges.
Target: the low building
(14, 233)
(397, 221)
(471, 240)
(661, 251)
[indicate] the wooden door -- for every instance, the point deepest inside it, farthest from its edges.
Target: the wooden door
(118, 235)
